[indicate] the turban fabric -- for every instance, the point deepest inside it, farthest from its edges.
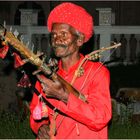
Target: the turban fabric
(74, 15)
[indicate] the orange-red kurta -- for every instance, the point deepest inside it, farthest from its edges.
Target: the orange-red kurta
(82, 120)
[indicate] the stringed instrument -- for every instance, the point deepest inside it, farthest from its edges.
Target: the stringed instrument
(9, 38)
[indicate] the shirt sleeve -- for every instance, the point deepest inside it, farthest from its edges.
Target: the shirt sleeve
(97, 112)
(35, 125)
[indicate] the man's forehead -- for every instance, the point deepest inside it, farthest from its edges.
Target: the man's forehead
(62, 26)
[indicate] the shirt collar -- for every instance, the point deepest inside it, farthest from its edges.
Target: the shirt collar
(72, 68)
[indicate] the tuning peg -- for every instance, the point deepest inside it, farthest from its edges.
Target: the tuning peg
(4, 24)
(36, 72)
(25, 60)
(11, 29)
(27, 44)
(53, 62)
(44, 58)
(16, 33)
(21, 38)
(39, 54)
(113, 43)
(32, 47)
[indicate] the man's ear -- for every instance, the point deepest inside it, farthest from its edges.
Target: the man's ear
(80, 40)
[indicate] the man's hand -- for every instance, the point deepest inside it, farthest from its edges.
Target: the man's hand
(53, 89)
(43, 132)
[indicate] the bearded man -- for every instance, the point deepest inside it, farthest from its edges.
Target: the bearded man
(71, 118)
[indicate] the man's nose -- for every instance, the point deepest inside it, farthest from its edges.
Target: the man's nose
(58, 40)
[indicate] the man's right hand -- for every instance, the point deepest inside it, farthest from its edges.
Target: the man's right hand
(43, 132)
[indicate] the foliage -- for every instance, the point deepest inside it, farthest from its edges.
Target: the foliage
(122, 126)
(124, 131)
(124, 116)
(11, 127)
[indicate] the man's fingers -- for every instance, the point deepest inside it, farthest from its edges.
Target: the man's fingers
(47, 81)
(43, 79)
(43, 132)
(44, 87)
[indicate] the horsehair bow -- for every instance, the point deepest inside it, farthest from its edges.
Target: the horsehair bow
(92, 56)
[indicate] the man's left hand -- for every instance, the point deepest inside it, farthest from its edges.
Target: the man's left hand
(53, 89)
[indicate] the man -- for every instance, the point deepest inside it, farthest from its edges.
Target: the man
(71, 118)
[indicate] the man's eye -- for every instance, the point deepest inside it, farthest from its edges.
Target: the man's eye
(64, 34)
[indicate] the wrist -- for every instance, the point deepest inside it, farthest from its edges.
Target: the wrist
(64, 98)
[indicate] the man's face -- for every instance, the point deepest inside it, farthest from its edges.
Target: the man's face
(63, 40)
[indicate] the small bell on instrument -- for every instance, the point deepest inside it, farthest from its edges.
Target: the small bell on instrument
(80, 72)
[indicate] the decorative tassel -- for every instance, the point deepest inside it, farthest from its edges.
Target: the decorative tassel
(53, 125)
(3, 51)
(38, 109)
(77, 129)
(41, 110)
(44, 113)
(37, 112)
(18, 61)
(24, 81)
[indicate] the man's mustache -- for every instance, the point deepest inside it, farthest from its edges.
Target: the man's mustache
(58, 46)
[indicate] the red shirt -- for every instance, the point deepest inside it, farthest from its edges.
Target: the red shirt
(82, 120)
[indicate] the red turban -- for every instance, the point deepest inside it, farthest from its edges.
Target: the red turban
(73, 15)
